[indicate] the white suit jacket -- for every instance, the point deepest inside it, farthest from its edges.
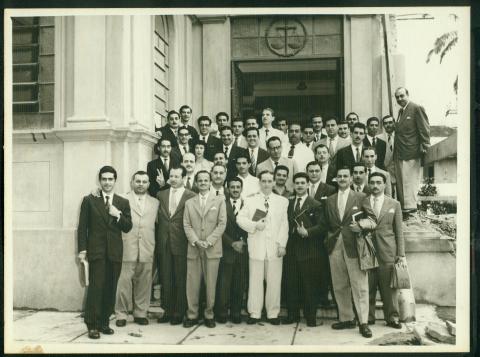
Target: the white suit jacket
(264, 244)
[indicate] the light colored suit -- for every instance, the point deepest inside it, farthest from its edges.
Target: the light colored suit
(268, 165)
(138, 250)
(263, 246)
(240, 142)
(206, 225)
(389, 243)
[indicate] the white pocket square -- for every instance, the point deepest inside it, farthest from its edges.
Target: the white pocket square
(213, 208)
(409, 117)
(391, 210)
(354, 207)
(324, 198)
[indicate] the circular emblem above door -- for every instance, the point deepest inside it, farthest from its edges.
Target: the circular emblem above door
(286, 36)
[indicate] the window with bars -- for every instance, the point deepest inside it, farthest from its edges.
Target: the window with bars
(33, 40)
(161, 66)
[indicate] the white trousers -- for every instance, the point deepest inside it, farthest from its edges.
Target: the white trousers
(408, 174)
(271, 272)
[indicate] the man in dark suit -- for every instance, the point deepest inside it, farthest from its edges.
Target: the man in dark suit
(170, 131)
(319, 191)
(102, 221)
(185, 143)
(390, 249)
(348, 280)
(317, 124)
(351, 119)
(359, 178)
(257, 154)
(302, 270)
(171, 244)
(373, 140)
(231, 151)
(327, 169)
(232, 279)
(352, 154)
(213, 144)
(412, 140)
(159, 169)
(185, 116)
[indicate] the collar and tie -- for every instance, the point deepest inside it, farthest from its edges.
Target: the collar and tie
(376, 206)
(342, 201)
(266, 204)
(330, 147)
(189, 184)
(234, 206)
(253, 161)
(173, 202)
(203, 139)
(389, 140)
(107, 202)
(203, 202)
(374, 141)
(400, 113)
(165, 162)
(291, 152)
(312, 190)
(357, 155)
(226, 152)
(298, 205)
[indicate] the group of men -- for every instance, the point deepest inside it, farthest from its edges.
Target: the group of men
(274, 207)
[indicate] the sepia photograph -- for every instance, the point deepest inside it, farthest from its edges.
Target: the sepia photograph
(237, 180)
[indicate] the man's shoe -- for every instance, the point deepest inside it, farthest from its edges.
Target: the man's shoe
(190, 322)
(221, 319)
(274, 321)
(210, 323)
(236, 319)
(290, 320)
(93, 334)
(365, 330)
(140, 320)
(252, 321)
(176, 321)
(106, 330)
(164, 319)
(371, 322)
(121, 323)
(342, 325)
(394, 324)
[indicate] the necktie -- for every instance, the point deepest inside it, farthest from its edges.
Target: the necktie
(173, 202)
(312, 190)
(266, 204)
(400, 112)
(203, 139)
(297, 205)
(317, 137)
(216, 193)
(266, 133)
(276, 163)
(107, 203)
(252, 160)
(185, 149)
(202, 202)
(165, 163)
(358, 188)
(291, 152)
(376, 206)
(189, 184)
(330, 148)
(341, 203)
(390, 142)
(357, 155)
(234, 206)
(369, 172)
(374, 141)
(226, 152)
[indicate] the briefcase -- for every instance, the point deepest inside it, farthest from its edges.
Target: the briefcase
(367, 257)
(400, 277)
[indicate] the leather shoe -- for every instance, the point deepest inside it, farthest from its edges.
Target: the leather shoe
(371, 322)
(140, 320)
(190, 322)
(236, 319)
(176, 321)
(221, 319)
(341, 325)
(274, 321)
(164, 319)
(365, 331)
(93, 334)
(252, 321)
(290, 320)
(394, 324)
(106, 330)
(121, 323)
(210, 323)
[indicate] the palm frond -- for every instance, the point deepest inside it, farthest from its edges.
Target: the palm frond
(455, 85)
(448, 47)
(441, 42)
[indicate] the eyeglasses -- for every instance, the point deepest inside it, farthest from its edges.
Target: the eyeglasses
(183, 134)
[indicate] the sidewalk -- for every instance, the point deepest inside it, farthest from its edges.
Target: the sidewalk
(34, 327)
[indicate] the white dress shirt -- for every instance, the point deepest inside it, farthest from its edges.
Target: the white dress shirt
(354, 151)
(229, 150)
(178, 196)
(342, 201)
(203, 137)
(323, 172)
(312, 190)
(301, 155)
(140, 200)
(263, 137)
(250, 185)
(213, 191)
(333, 142)
(380, 200)
(370, 139)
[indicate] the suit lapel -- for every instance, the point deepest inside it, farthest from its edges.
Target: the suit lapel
(134, 204)
(384, 209)
(348, 206)
(335, 205)
(209, 204)
(100, 205)
(182, 202)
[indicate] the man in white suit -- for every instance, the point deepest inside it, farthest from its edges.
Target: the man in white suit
(267, 240)
(138, 250)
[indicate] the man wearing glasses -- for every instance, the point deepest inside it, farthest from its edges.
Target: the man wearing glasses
(213, 144)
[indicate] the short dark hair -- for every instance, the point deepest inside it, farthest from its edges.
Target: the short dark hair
(235, 179)
(270, 110)
(184, 107)
(386, 117)
(200, 142)
(360, 126)
(301, 175)
(252, 129)
(201, 172)
(369, 148)
(204, 118)
(369, 120)
(312, 163)
(344, 167)
(384, 178)
(140, 172)
(320, 146)
(342, 121)
(243, 155)
(107, 169)
(307, 125)
(179, 167)
(295, 123)
(222, 114)
(183, 128)
(263, 173)
(316, 116)
(220, 152)
(238, 120)
(171, 112)
(218, 165)
(351, 113)
(357, 164)
(273, 138)
(330, 119)
(156, 148)
(281, 167)
(226, 127)
(406, 90)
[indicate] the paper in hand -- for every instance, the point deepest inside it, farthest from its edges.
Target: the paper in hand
(258, 215)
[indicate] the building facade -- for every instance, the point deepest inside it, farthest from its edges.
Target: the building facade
(90, 90)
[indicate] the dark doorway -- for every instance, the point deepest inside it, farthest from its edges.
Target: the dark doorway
(295, 89)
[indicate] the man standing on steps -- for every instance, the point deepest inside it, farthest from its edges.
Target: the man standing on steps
(373, 140)
(159, 169)
(296, 150)
(370, 160)
(138, 250)
(280, 176)
(388, 136)
(214, 144)
(185, 116)
(189, 177)
(257, 155)
(172, 247)
(218, 177)
(264, 217)
(267, 130)
(250, 182)
(102, 221)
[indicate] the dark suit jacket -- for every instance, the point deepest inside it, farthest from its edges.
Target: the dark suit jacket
(176, 150)
(356, 202)
(214, 145)
(193, 133)
(171, 228)
(235, 151)
(310, 214)
(323, 190)
(233, 233)
(167, 133)
(345, 157)
(380, 148)
(261, 157)
(388, 235)
(366, 188)
(152, 167)
(99, 233)
(411, 132)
